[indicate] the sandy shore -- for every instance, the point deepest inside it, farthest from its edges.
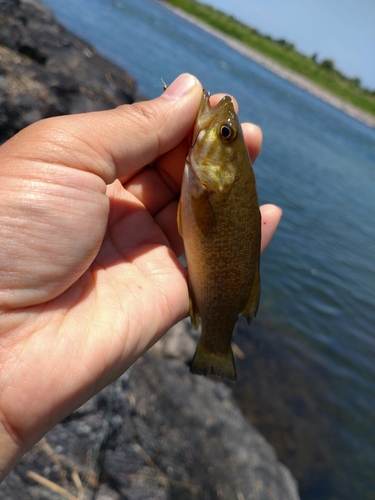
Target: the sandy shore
(283, 72)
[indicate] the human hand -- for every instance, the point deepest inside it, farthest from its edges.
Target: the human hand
(88, 253)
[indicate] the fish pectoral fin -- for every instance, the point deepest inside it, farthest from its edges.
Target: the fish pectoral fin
(193, 309)
(252, 304)
(204, 214)
(179, 219)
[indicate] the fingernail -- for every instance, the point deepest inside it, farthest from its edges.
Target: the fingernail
(181, 86)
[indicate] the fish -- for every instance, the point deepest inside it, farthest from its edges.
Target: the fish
(220, 223)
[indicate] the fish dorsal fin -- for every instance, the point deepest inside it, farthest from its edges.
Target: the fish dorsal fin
(193, 309)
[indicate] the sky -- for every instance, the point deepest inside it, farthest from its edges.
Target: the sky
(340, 30)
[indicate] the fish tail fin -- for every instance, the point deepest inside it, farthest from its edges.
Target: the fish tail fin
(206, 362)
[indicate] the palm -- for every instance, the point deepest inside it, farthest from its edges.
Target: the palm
(133, 291)
(135, 283)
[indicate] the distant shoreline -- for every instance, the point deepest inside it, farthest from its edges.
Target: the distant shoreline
(280, 70)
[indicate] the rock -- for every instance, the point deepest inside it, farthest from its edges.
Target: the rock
(273, 391)
(159, 433)
(46, 71)
(179, 343)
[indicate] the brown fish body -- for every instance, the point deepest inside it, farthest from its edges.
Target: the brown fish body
(219, 220)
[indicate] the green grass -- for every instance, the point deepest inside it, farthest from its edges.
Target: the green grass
(322, 73)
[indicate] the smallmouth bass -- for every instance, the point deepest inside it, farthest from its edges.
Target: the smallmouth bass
(220, 223)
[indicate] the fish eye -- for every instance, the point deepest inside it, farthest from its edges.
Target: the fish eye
(227, 133)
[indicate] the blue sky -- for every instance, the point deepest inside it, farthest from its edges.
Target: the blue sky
(343, 31)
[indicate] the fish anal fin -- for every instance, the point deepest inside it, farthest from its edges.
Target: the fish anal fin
(252, 303)
(193, 309)
(208, 363)
(204, 214)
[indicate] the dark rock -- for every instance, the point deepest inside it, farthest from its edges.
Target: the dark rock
(46, 71)
(274, 392)
(161, 433)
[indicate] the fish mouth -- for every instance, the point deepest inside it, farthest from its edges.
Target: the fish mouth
(206, 114)
(224, 101)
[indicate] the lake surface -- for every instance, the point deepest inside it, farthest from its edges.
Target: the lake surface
(308, 381)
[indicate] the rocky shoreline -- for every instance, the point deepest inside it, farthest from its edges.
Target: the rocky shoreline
(46, 71)
(280, 70)
(158, 432)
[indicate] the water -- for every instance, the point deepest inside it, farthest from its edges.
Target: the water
(315, 326)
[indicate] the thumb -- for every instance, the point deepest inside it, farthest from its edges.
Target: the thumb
(116, 143)
(155, 126)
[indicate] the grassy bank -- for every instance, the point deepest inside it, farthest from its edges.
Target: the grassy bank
(322, 73)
